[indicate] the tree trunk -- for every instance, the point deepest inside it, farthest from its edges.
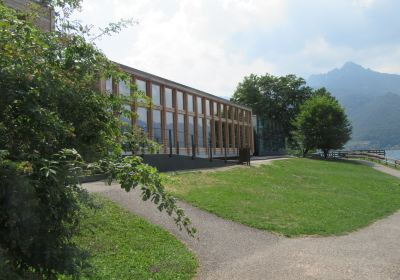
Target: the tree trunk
(305, 152)
(326, 153)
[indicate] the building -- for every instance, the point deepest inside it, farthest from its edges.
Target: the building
(184, 120)
(46, 14)
(187, 121)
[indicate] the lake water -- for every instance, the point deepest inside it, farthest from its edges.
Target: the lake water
(394, 154)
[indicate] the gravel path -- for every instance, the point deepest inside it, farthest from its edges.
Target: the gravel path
(228, 250)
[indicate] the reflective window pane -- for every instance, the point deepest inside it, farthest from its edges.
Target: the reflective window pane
(142, 118)
(170, 129)
(199, 105)
(208, 132)
(215, 109)
(168, 98)
(200, 136)
(190, 103)
(157, 132)
(141, 88)
(216, 134)
(124, 88)
(179, 100)
(191, 127)
(109, 88)
(156, 94)
(181, 130)
(208, 107)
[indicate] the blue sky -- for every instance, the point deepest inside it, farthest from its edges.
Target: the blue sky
(213, 44)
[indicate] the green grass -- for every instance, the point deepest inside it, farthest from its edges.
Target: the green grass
(294, 197)
(124, 246)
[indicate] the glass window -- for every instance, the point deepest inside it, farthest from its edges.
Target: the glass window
(156, 94)
(208, 107)
(200, 136)
(142, 118)
(216, 134)
(168, 98)
(208, 133)
(124, 88)
(141, 88)
(191, 127)
(230, 136)
(181, 130)
(215, 105)
(157, 132)
(179, 100)
(190, 107)
(126, 117)
(222, 111)
(170, 128)
(199, 105)
(223, 134)
(109, 88)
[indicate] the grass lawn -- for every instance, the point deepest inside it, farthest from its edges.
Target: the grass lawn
(294, 197)
(124, 246)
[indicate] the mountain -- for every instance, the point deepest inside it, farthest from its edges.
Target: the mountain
(371, 100)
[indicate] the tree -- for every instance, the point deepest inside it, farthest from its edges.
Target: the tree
(322, 124)
(55, 125)
(275, 99)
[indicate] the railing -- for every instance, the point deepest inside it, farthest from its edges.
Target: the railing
(378, 155)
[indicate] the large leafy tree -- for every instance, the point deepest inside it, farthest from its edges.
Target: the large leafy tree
(275, 99)
(55, 124)
(322, 124)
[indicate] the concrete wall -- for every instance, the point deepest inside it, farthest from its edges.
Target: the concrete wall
(46, 19)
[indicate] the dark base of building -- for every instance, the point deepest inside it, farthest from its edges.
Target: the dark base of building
(164, 163)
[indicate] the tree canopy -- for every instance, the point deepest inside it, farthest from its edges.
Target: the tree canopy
(322, 124)
(276, 99)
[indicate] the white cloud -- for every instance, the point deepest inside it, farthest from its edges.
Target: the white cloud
(200, 42)
(364, 3)
(189, 41)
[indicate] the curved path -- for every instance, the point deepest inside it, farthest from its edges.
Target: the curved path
(228, 250)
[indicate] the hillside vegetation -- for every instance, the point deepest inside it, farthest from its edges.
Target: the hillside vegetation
(372, 102)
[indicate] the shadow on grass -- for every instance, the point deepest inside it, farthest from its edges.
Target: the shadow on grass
(346, 161)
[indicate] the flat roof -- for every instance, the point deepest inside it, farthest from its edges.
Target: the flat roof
(176, 85)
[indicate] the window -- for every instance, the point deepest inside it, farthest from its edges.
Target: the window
(179, 100)
(190, 107)
(223, 135)
(215, 105)
(109, 87)
(230, 138)
(181, 130)
(156, 94)
(208, 133)
(223, 111)
(216, 134)
(124, 88)
(141, 88)
(168, 98)
(200, 136)
(170, 128)
(191, 130)
(157, 132)
(199, 106)
(142, 118)
(208, 107)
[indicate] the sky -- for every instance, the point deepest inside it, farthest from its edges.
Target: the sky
(212, 45)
